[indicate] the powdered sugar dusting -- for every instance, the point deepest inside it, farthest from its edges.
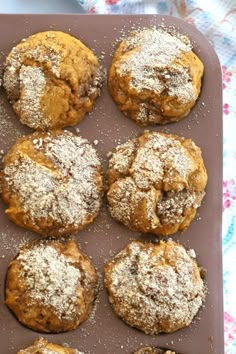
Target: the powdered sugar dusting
(155, 288)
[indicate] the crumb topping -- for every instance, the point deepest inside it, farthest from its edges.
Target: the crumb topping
(32, 85)
(155, 287)
(153, 173)
(172, 206)
(151, 61)
(122, 158)
(66, 188)
(51, 279)
(75, 351)
(152, 350)
(157, 157)
(25, 84)
(47, 56)
(46, 61)
(40, 346)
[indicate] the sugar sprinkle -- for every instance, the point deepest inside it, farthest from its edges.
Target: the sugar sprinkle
(69, 192)
(155, 281)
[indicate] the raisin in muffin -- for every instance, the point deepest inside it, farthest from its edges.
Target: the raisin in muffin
(52, 183)
(155, 78)
(155, 287)
(156, 183)
(51, 286)
(42, 346)
(52, 79)
(152, 350)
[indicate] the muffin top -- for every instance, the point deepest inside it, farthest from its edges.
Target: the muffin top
(52, 79)
(156, 183)
(153, 49)
(51, 286)
(155, 287)
(52, 183)
(153, 350)
(155, 78)
(42, 346)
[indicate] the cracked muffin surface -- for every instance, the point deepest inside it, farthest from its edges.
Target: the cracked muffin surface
(156, 182)
(155, 78)
(155, 287)
(52, 183)
(51, 286)
(52, 79)
(42, 346)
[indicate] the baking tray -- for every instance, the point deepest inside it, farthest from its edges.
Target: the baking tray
(104, 333)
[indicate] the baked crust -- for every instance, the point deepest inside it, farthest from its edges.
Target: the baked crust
(156, 183)
(154, 287)
(155, 78)
(152, 350)
(52, 79)
(52, 183)
(42, 346)
(51, 286)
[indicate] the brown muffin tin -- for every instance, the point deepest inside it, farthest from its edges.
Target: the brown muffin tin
(104, 333)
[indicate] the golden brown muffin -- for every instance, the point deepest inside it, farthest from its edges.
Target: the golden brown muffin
(155, 287)
(156, 183)
(51, 286)
(42, 346)
(52, 79)
(152, 350)
(52, 183)
(155, 78)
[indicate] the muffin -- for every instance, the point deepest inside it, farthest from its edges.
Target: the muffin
(152, 350)
(156, 183)
(51, 286)
(52, 183)
(156, 288)
(42, 346)
(155, 78)
(52, 79)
